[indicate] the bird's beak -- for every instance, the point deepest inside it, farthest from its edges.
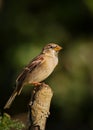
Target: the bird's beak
(58, 48)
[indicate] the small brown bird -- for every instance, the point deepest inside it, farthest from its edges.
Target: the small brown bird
(37, 70)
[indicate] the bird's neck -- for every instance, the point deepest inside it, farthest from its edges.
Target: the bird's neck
(50, 54)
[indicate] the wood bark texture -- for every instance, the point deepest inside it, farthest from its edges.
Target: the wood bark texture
(39, 107)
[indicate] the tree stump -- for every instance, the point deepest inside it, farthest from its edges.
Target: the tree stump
(39, 107)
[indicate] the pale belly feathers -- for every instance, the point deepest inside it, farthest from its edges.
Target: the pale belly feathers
(42, 71)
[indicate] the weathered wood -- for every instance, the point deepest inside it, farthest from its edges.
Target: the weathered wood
(39, 107)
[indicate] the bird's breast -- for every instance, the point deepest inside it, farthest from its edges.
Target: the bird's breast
(42, 71)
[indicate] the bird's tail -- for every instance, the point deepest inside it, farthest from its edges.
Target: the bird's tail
(11, 99)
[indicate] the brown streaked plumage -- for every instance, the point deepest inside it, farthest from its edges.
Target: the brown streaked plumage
(37, 70)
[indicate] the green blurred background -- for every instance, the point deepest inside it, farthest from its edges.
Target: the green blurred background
(28, 25)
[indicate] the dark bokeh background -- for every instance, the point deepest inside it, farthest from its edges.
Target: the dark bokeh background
(25, 27)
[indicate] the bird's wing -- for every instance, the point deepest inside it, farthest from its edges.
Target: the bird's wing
(30, 67)
(35, 62)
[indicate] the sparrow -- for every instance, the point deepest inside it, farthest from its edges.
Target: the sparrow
(37, 70)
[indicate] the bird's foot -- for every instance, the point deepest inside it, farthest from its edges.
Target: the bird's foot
(36, 84)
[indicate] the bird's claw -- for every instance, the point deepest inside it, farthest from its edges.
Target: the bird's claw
(36, 84)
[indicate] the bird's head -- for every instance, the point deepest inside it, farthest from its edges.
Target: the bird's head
(52, 48)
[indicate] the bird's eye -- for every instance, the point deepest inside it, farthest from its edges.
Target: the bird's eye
(51, 46)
